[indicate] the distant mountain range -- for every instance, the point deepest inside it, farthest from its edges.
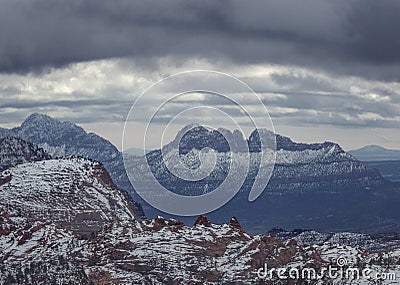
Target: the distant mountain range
(375, 153)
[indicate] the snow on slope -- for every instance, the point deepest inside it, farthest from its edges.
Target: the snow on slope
(75, 193)
(292, 167)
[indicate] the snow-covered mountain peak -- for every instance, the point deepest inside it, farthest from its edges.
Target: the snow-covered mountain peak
(40, 125)
(43, 120)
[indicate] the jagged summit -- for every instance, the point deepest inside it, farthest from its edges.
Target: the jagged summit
(202, 221)
(38, 118)
(195, 136)
(235, 223)
(285, 143)
(58, 137)
(43, 129)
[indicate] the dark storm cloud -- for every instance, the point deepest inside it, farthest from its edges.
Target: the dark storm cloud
(348, 37)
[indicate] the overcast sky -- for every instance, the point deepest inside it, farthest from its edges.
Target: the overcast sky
(326, 70)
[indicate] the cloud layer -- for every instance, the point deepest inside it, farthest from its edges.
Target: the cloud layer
(103, 91)
(342, 37)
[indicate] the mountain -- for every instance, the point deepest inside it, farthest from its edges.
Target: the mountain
(299, 167)
(73, 193)
(65, 138)
(375, 153)
(14, 151)
(317, 186)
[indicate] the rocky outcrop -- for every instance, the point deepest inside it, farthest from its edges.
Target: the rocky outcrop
(202, 221)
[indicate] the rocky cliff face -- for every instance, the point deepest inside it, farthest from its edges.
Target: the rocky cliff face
(298, 167)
